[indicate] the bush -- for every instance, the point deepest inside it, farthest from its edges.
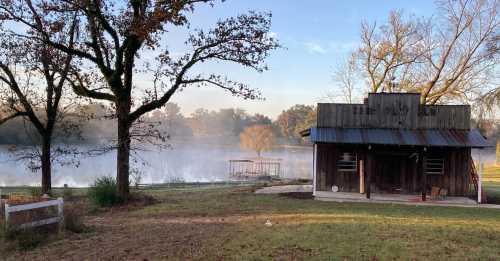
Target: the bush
(103, 192)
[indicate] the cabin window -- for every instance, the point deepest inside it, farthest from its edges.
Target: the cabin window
(347, 162)
(434, 166)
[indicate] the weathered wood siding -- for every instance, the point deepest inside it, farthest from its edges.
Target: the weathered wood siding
(444, 117)
(402, 111)
(342, 115)
(327, 174)
(393, 110)
(393, 171)
(456, 173)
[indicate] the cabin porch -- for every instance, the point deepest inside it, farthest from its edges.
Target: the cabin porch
(393, 172)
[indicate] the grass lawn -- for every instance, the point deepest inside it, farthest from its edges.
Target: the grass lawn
(491, 183)
(491, 173)
(492, 192)
(229, 224)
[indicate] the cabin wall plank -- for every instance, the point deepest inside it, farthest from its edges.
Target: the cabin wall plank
(400, 111)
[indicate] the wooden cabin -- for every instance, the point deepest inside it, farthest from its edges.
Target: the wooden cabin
(393, 144)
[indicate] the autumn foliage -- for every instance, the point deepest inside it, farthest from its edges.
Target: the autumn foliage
(257, 138)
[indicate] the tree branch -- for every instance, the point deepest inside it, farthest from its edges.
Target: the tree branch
(12, 116)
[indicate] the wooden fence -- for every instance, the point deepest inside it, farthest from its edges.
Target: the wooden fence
(31, 206)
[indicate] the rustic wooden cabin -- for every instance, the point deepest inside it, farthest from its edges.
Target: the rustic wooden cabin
(393, 144)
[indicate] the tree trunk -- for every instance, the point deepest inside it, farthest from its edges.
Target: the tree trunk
(46, 166)
(123, 154)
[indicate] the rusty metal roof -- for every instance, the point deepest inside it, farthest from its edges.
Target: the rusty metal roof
(428, 137)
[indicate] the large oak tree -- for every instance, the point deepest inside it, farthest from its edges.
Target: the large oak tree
(114, 35)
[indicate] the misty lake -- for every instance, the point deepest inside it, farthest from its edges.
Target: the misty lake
(183, 162)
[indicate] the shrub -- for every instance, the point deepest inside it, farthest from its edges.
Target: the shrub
(103, 192)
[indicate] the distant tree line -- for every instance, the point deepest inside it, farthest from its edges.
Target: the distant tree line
(222, 126)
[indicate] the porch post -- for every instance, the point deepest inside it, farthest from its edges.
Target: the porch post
(315, 151)
(368, 170)
(361, 176)
(423, 158)
(480, 179)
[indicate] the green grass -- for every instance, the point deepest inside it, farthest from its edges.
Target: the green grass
(492, 190)
(491, 173)
(228, 223)
(491, 184)
(314, 230)
(26, 190)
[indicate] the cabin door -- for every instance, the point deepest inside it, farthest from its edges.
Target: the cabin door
(389, 172)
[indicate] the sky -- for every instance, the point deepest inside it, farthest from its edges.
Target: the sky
(316, 35)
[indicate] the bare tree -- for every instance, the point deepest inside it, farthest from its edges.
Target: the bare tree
(32, 83)
(459, 57)
(257, 138)
(346, 77)
(451, 56)
(387, 52)
(114, 34)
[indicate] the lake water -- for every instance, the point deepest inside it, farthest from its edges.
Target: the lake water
(183, 162)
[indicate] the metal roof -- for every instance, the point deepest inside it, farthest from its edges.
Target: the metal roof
(420, 137)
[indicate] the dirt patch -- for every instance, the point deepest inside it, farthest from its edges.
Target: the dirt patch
(119, 238)
(298, 195)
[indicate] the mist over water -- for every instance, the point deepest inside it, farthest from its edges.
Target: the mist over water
(187, 162)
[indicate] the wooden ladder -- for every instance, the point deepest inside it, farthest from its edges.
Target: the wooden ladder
(473, 176)
(474, 180)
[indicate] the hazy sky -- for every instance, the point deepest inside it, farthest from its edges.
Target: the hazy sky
(316, 34)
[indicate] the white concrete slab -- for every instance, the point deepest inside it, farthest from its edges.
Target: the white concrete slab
(375, 198)
(392, 197)
(399, 199)
(284, 189)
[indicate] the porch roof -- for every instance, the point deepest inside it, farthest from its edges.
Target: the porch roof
(421, 137)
